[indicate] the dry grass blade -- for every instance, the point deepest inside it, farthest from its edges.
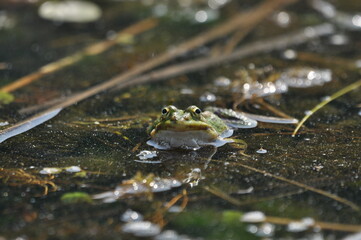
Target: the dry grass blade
(76, 57)
(301, 185)
(334, 96)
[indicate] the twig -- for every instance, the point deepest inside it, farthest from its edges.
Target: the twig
(272, 109)
(338, 94)
(301, 185)
(219, 193)
(93, 49)
(236, 38)
(241, 33)
(334, 62)
(280, 42)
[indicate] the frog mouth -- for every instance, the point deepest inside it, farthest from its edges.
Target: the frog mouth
(181, 126)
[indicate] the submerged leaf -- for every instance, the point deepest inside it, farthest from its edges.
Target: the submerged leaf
(6, 98)
(76, 197)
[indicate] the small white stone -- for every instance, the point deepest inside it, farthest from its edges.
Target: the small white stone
(254, 217)
(261, 151)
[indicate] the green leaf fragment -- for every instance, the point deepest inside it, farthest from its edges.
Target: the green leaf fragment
(76, 197)
(6, 98)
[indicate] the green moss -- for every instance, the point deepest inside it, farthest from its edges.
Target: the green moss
(76, 197)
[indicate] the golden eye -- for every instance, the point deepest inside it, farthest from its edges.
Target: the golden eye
(165, 111)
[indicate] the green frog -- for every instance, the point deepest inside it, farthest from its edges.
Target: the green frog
(188, 129)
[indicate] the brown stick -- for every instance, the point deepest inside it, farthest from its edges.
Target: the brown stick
(93, 49)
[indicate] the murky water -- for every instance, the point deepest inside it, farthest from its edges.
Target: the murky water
(80, 175)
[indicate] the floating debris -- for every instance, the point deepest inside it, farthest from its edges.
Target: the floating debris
(339, 39)
(245, 191)
(145, 154)
(266, 230)
(222, 81)
(51, 170)
(175, 209)
(289, 54)
(261, 151)
(305, 77)
(131, 216)
(141, 228)
(139, 185)
(282, 19)
(206, 15)
(73, 169)
(296, 227)
(2, 124)
(186, 91)
(293, 77)
(300, 226)
(258, 89)
(207, 97)
(70, 11)
(194, 177)
(254, 217)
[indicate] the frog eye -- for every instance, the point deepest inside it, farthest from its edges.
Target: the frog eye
(165, 111)
(197, 110)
